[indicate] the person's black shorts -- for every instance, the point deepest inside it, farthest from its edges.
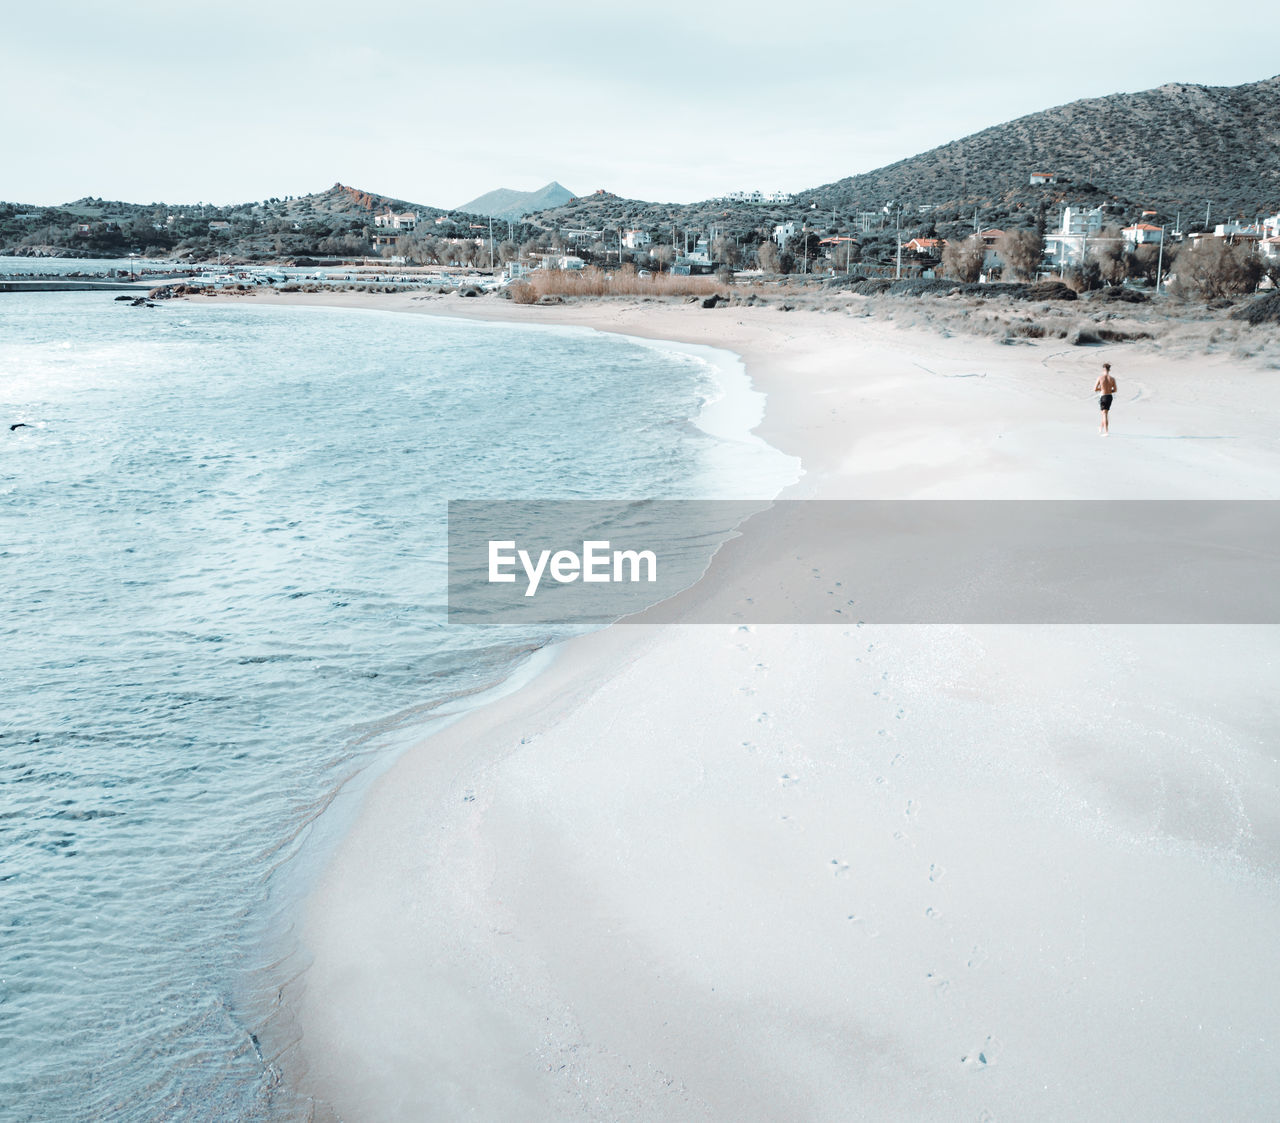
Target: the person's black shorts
(1104, 402)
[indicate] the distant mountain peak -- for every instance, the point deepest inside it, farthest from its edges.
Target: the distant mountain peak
(505, 203)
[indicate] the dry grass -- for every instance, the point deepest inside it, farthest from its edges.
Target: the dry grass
(597, 282)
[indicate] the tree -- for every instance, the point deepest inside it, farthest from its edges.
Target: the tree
(963, 260)
(1021, 251)
(1107, 252)
(1212, 268)
(663, 256)
(725, 250)
(1143, 261)
(768, 257)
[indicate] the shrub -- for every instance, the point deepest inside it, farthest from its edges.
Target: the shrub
(1212, 268)
(1264, 310)
(963, 260)
(594, 281)
(1021, 251)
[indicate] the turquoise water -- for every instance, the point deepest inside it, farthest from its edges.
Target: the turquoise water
(221, 581)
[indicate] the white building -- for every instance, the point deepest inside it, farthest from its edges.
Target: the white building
(1143, 234)
(1038, 178)
(407, 220)
(783, 233)
(635, 239)
(1067, 245)
(701, 254)
(760, 198)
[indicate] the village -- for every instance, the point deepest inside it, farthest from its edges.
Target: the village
(1085, 246)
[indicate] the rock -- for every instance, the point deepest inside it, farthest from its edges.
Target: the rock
(1263, 310)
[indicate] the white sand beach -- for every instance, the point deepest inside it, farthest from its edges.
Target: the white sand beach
(829, 873)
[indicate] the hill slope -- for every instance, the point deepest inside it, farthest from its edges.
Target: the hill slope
(507, 204)
(1176, 146)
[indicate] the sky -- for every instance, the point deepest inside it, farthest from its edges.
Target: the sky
(437, 103)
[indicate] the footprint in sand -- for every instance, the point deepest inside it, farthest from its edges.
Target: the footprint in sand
(764, 719)
(977, 957)
(861, 922)
(748, 691)
(900, 836)
(750, 746)
(838, 867)
(932, 913)
(786, 780)
(913, 808)
(936, 981)
(898, 758)
(981, 1058)
(936, 873)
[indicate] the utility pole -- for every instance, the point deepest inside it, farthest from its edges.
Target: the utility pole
(1206, 215)
(491, 243)
(1160, 261)
(898, 240)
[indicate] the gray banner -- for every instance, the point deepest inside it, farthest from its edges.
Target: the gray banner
(891, 562)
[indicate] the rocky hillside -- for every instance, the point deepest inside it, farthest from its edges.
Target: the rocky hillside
(1172, 148)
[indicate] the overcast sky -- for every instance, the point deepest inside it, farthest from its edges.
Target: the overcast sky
(670, 101)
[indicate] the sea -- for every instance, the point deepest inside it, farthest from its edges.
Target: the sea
(222, 602)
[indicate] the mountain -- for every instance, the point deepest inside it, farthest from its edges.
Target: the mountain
(1174, 147)
(507, 204)
(353, 202)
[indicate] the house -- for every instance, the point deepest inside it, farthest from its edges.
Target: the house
(635, 239)
(1067, 245)
(405, 220)
(783, 233)
(930, 246)
(1240, 233)
(1040, 178)
(83, 228)
(991, 258)
(569, 261)
(1143, 234)
(759, 198)
(701, 254)
(219, 226)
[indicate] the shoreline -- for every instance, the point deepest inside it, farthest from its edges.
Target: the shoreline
(663, 900)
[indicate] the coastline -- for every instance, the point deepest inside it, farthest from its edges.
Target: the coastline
(787, 872)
